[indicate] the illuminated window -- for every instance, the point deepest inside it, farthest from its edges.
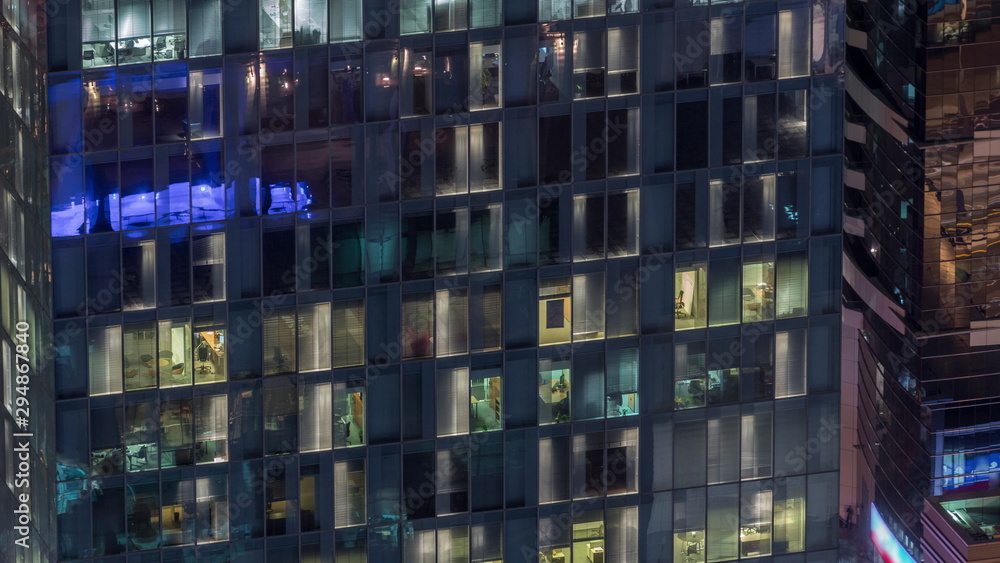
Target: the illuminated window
(275, 24)
(141, 450)
(170, 24)
(212, 510)
(792, 285)
(314, 337)
(553, 391)
(758, 291)
(418, 325)
(104, 355)
(756, 445)
(209, 352)
(345, 20)
(310, 22)
(755, 521)
(279, 341)
(589, 62)
(349, 490)
(208, 260)
(623, 382)
(790, 363)
(485, 86)
(143, 362)
(452, 405)
(348, 413)
(414, 16)
(99, 33)
(315, 412)
(485, 397)
(691, 301)
(623, 59)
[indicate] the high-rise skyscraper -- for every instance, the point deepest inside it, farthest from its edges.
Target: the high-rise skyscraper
(460, 280)
(921, 273)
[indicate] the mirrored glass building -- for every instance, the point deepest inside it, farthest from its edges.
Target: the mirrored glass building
(467, 280)
(921, 276)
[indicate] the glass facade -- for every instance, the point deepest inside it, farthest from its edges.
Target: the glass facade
(383, 281)
(27, 423)
(918, 261)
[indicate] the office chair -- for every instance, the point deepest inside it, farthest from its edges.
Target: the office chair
(203, 355)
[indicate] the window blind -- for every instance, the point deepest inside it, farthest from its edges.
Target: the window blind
(348, 333)
(205, 37)
(345, 20)
(452, 405)
(588, 306)
(450, 15)
(452, 317)
(98, 20)
(421, 548)
(725, 39)
(316, 415)
(723, 445)
(105, 360)
(485, 13)
(418, 325)
(623, 49)
(792, 279)
(755, 451)
(314, 337)
(133, 19)
(622, 526)
(414, 16)
(725, 300)
(588, 8)
(790, 363)
(793, 43)
(279, 341)
(490, 306)
(623, 370)
(589, 50)
(169, 16)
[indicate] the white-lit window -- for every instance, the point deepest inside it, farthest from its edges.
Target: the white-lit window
(756, 445)
(213, 508)
(345, 20)
(452, 403)
(414, 16)
(310, 22)
(485, 157)
(143, 361)
(790, 363)
(554, 10)
(314, 337)
(793, 42)
(98, 19)
(315, 414)
(452, 316)
(450, 15)
(485, 75)
(174, 352)
(623, 60)
(589, 63)
(588, 306)
(348, 333)
(485, 13)
(553, 391)
(206, 32)
(275, 24)
(349, 492)
(755, 522)
(170, 24)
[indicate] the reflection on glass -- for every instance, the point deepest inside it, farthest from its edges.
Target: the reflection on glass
(141, 452)
(98, 20)
(415, 98)
(484, 75)
(349, 488)
(142, 363)
(689, 375)
(690, 303)
(553, 391)
(553, 68)
(176, 426)
(212, 517)
(211, 429)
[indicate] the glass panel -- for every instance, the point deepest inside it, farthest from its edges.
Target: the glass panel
(555, 311)
(418, 325)
(98, 23)
(417, 77)
(210, 355)
(450, 15)
(485, 395)
(173, 353)
(588, 306)
(691, 302)
(689, 375)
(415, 16)
(209, 267)
(348, 333)
(176, 433)
(315, 411)
(279, 341)
(141, 452)
(349, 487)
(275, 24)
(553, 391)
(485, 77)
(213, 508)
(793, 285)
(589, 63)
(348, 414)
(169, 25)
(206, 32)
(345, 20)
(758, 291)
(142, 362)
(211, 429)
(724, 221)
(310, 22)
(451, 405)
(623, 59)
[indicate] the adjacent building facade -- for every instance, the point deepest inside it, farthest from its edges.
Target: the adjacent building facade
(457, 280)
(921, 269)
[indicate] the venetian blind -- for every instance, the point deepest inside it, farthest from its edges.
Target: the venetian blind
(314, 337)
(105, 360)
(279, 341)
(790, 363)
(452, 322)
(723, 445)
(452, 405)
(348, 333)
(316, 415)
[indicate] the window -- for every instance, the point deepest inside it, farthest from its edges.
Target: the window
(133, 31)
(209, 352)
(484, 13)
(485, 238)
(208, 265)
(623, 60)
(315, 413)
(484, 75)
(105, 360)
(348, 333)
(691, 301)
(418, 325)
(310, 22)
(212, 510)
(138, 271)
(173, 354)
(415, 97)
(314, 337)
(621, 473)
(689, 375)
(275, 24)
(554, 311)
(452, 482)
(689, 525)
(141, 451)
(792, 285)
(451, 160)
(98, 33)
(176, 432)
(451, 237)
(486, 316)
(761, 54)
(588, 8)
(414, 16)
(279, 341)
(589, 63)
(623, 382)
(485, 394)
(553, 391)
(554, 66)
(451, 405)
(755, 521)
(756, 445)
(553, 478)
(722, 444)
(450, 15)
(206, 32)
(349, 488)
(452, 316)
(348, 414)
(758, 290)
(143, 362)
(793, 42)
(345, 20)
(8, 380)
(759, 127)
(588, 306)
(724, 204)
(485, 158)
(790, 363)
(758, 208)
(211, 429)
(726, 58)
(793, 124)
(281, 413)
